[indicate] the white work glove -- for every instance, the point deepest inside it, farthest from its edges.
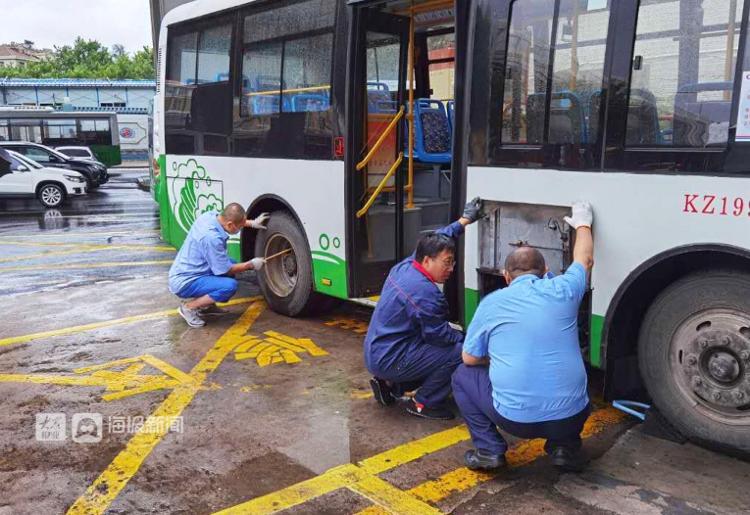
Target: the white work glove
(258, 223)
(582, 216)
(257, 263)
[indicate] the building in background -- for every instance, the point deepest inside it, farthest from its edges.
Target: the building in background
(130, 99)
(15, 54)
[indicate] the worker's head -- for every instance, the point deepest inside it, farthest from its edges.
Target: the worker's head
(233, 218)
(522, 261)
(437, 254)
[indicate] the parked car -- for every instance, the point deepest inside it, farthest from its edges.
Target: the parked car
(78, 153)
(94, 172)
(52, 186)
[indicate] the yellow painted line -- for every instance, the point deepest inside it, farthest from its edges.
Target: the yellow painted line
(107, 323)
(73, 266)
(52, 234)
(523, 453)
(391, 499)
(89, 248)
(348, 475)
(110, 483)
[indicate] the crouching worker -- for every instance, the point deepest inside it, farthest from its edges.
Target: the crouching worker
(202, 270)
(410, 343)
(535, 385)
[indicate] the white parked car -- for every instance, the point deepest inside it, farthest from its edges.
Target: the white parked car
(51, 186)
(77, 152)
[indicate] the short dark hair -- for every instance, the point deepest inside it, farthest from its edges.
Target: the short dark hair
(430, 245)
(525, 260)
(234, 213)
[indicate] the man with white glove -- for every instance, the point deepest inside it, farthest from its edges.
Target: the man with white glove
(202, 270)
(523, 370)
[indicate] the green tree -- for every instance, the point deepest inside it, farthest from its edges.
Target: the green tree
(88, 60)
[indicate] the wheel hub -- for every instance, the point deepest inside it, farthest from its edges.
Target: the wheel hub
(711, 362)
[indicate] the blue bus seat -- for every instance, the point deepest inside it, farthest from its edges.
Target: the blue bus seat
(379, 98)
(643, 120)
(432, 133)
(308, 102)
(450, 106)
(566, 119)
(701, 122)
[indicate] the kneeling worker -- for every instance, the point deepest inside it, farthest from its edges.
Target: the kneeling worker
(202, 269)
(535, 385)
(409, 342)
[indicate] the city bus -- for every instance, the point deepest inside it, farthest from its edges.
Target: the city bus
(96, 130)
(361, 125)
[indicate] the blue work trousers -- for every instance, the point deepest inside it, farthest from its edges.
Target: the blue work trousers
(427, 367)
(472, 391)
(220, 288)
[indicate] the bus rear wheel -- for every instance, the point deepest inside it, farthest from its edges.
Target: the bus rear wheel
(694, 357)
(287, 280)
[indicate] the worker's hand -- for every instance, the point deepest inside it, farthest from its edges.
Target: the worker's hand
(473, 210)
(583, 215)
(258, 223)
(257, 263)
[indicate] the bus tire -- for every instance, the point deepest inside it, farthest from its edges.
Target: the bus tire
(286, 281)
(694, 358)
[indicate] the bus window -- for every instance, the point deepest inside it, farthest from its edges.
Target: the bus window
(60, 129)
(261, 79)
(577, 72)
(213, 55)
(4, 135)
(307, 74)
(683, 73)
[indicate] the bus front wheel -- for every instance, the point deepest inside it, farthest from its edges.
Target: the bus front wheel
(694, 357)
(286, 280)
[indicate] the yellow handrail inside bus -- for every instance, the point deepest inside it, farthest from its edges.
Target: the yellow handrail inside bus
(380, 187)
(293, 90)
(381, 139)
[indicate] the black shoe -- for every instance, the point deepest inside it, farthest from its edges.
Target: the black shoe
(567, 460)
(436, 413)
(382, 392)
(484, 460)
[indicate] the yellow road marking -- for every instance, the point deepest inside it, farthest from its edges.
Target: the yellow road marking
(110, 483)
(523, 453)
(82, 250)
(107, 323)
(362, 478)
(86, 246)
(348, 475)
(94, 264)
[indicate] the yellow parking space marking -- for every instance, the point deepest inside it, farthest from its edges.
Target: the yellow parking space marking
(107, 323)
(73, 266)
(523, 453)
(276, 348)
(110, 483)
(349, 475)
(351, 324)
(84, 249)
(391, 499)
(362, 478)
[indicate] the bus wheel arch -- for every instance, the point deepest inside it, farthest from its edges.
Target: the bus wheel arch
(630, 318)
(264, 204)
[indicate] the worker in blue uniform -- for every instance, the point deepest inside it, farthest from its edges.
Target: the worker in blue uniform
(522, 368)
(410, 343)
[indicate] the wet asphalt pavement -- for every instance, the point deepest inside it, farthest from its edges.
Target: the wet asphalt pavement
(110, 403)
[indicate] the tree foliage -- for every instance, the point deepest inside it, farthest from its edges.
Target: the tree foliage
(88, 60)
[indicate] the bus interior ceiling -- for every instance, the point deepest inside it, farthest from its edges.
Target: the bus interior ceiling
(428, 111)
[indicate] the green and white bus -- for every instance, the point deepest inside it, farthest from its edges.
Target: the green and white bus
(97, 130)
(362, 124)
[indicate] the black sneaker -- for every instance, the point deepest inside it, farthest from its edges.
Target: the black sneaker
(567, 460)
(382, 392)
(479, 459)
(420, 410)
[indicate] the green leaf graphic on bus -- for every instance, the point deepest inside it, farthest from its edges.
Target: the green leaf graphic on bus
(194, 192)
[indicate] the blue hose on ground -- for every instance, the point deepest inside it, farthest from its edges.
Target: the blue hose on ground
(629, 408)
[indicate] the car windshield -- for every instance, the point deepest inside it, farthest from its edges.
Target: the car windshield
(30, 163)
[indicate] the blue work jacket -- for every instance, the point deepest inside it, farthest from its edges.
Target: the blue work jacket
(412, 311)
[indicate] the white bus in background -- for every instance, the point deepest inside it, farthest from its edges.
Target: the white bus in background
(306, 109)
